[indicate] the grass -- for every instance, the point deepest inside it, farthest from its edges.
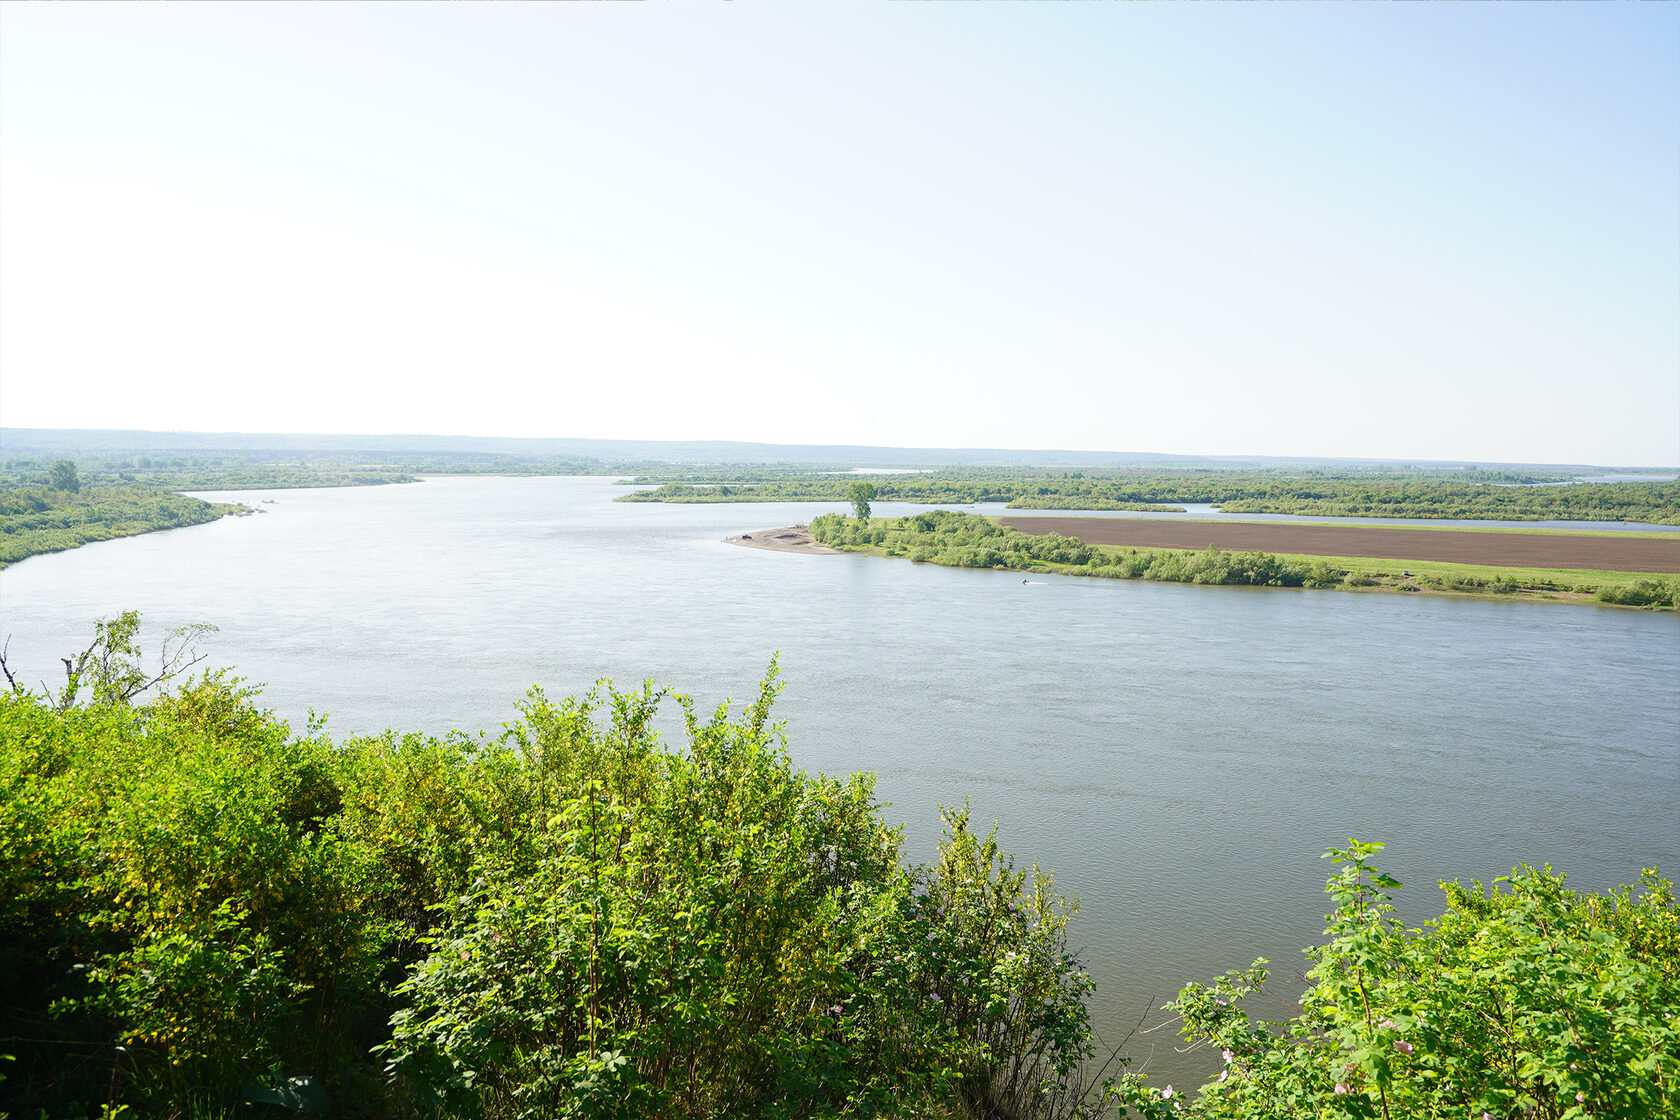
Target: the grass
(1438, 577)
(1361, 573)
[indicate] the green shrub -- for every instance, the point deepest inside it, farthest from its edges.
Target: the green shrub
(1532, 1002)
(572, 918)
(1643, 593)
(713, 932)
(186, 914)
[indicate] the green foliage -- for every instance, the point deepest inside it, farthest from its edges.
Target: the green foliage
(1340, 493)
(1655, 503)
(198, 906)
(35, 520)
(713, 932)
(62, 476)
(256, 469)
(967, 540)
(1643, 593)
(49, 507)
(1535, 1002)
(1496, 585)
(111, 667)
(859, 493)
(187, 920)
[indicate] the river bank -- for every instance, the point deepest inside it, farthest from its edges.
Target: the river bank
(791, 538)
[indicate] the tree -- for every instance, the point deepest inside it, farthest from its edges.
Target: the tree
(859, 493)
(111, 663)
(63, 477)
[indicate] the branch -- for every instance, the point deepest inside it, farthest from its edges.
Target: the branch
(72, 678)
(7, 669)
(170, 664)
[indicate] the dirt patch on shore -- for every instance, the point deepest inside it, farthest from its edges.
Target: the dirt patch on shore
(793, 538)
(1501, 550)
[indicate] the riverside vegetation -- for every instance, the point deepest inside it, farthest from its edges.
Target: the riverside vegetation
(50, 505)
(203, 909)
(955, 539)
(58, 512)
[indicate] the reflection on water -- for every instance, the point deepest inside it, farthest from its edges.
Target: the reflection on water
(1178, 755)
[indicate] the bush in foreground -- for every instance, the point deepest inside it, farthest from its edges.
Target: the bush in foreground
(199, 907)
(1533, 1002)
(715, 933)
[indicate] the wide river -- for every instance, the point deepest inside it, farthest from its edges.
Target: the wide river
(1179, 755)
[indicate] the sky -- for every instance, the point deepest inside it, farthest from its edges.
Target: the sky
(1420, 231)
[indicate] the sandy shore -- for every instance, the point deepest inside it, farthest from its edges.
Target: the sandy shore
(793, 538)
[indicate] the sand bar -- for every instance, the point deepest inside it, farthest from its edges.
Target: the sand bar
(792, 538)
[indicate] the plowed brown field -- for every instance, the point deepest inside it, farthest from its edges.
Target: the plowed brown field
(1502, 550)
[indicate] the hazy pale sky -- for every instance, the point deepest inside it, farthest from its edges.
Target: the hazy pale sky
(1446, 231)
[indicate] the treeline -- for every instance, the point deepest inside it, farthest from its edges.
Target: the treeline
(1652, 503)
(49, 505)
(200, 907)
(1376, 494)
(37, 519)
(274, 470)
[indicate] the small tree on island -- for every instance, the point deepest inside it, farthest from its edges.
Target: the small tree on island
(859, 493)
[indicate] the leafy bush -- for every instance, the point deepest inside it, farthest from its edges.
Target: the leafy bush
(1643, 593)
(713, 932)
(185, 912)
(198, 906)
(1533, 1002)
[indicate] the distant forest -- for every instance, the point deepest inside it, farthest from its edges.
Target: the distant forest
(74, 442)
(1458, 495)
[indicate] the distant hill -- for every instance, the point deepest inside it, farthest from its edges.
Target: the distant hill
(93, 441)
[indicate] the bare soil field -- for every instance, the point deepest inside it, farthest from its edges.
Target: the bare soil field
(1507, 550)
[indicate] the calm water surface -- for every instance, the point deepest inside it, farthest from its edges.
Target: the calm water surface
(1197, 511)
(1178, 755)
